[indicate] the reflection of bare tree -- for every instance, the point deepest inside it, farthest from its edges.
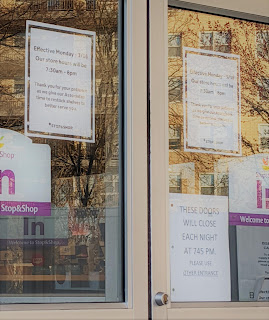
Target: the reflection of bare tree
(69, 159)
(247, 39)
(80, 171)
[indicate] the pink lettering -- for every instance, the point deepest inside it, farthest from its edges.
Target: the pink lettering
(259, 194)
(11, 181)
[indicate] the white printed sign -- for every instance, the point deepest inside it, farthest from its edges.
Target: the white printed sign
(249, 191)
(211, 87)
(253, 263)
(199, 248)
(25, 176)
(60, 62)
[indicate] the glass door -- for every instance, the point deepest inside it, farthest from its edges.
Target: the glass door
(210, 213)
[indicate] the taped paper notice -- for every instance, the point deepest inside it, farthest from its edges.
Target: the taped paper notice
(199, 248)
(211, 87)
(59, 100)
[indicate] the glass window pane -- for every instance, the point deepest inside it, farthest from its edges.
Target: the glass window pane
(219, 218)
(206, 40)
(61, 218)
(174, 45)
(262, 39)
(175, 89)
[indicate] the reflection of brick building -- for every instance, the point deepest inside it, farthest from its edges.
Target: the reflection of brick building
(221, 34)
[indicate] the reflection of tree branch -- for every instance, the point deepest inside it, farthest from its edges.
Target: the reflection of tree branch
(254, 55)
(248, 145)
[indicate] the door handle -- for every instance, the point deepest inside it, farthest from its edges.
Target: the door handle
(161, 298)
